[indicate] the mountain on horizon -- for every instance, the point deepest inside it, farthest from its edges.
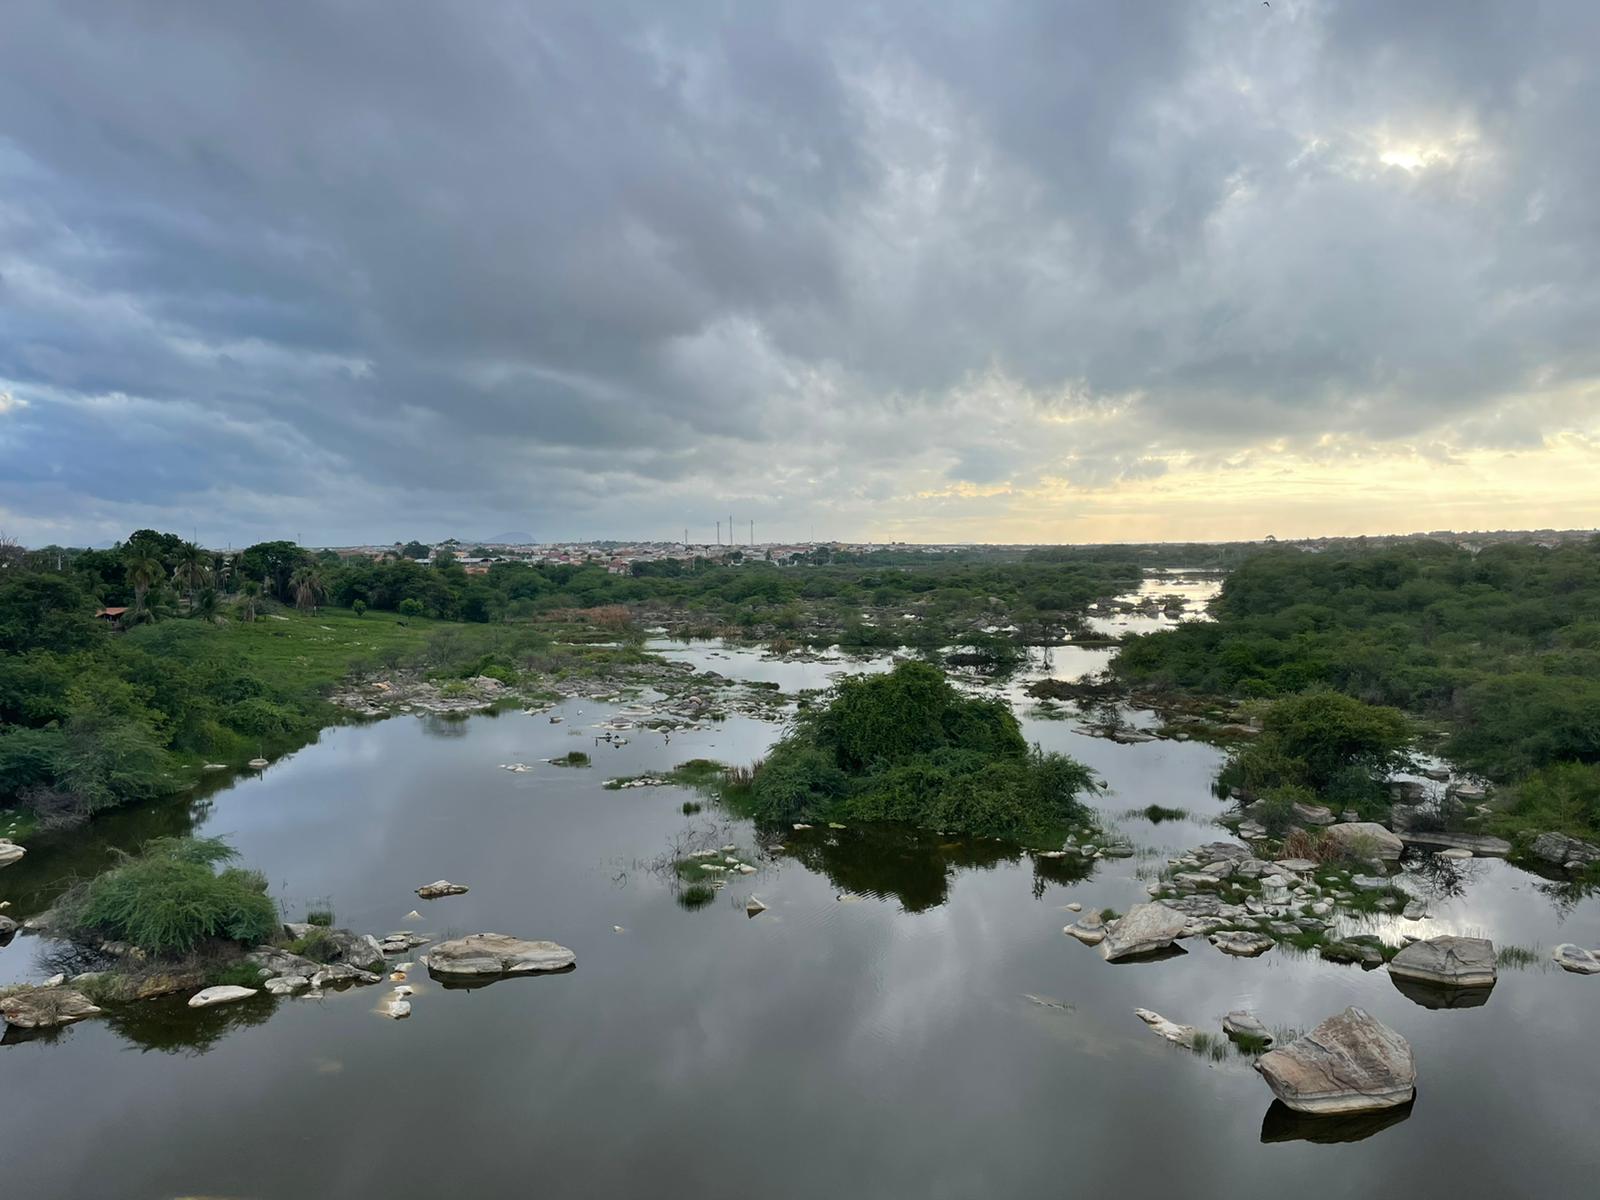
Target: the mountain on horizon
(508, 539)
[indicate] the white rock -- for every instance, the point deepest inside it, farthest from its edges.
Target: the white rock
(1576, 959)
(1183, 1035)
(225, 994)
(496, 954)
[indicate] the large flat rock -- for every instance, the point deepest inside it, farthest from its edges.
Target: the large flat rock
(490, 954)
(1147, 929)
(42, 1007)
(1456, 962)
(1351, 1062)
(1480, 844)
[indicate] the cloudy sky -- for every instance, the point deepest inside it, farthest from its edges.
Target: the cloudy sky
(360, 270)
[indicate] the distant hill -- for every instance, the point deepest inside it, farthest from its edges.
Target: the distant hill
(509, 539)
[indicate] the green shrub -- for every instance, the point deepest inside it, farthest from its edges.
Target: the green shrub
(170, 899)
(410, 607)
(320, 916)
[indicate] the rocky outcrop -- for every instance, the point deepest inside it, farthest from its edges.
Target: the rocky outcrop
(441, 887)
(1089, 929)
(1562, 851)
(275, 963)
(1147, 929)
(1365, 840)
(360, 950)
(1312, 814)
(1576, 959)
(493, 954)
(10, 852)
(1351, 1062)
(1183, 1035)
(42, 1007)
(1451, 962)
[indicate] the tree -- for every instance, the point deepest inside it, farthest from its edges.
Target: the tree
(193, 569)
(249, 600)
(274, 563)
(309, 588)
(144, 572)
(415, 550)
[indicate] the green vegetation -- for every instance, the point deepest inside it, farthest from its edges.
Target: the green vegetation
(1520, 958)
(696, 896)
(572, 758)
(171, 899)
(1504, 644)
(1157, 813)
(1319, 747)
(1564, 797)
(320, 916)
(906, 746)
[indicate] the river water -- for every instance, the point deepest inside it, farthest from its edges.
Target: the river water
(906, 1019)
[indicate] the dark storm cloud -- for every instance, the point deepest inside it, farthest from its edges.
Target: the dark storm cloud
(368, 268)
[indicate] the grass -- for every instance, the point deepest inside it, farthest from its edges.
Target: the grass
(317, 945)
(573, 758)
(696, 896)
(1519, 958)
(320, 916)
(171, 899)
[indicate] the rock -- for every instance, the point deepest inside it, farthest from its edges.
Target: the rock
(1469, 793)
(1074, 907)
(1408, 791)
(441, 887)
(1560, 850)
(40, 1008)
(1242, 943)
(1146, 929)
(413, 915)
(10, 852)
(1088, 929)
(1351, 1062)
(487, 954)
(1576, 959)
(1365, 840)
(1461, 962)
(1415, 911)
(225, 994)
(1454, 852)
(1183, 1035)
(1241, 1024)
(1312, 814)
(287, 985)
(1353, 952)
(339, 945)
(754, 907)
(399, 1008)
(1369, 883)
(8, 928)
(1472, 843)
(1296, 866)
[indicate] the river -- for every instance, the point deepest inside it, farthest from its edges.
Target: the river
(906, 1018)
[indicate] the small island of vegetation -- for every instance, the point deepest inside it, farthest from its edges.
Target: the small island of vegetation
(907, 746)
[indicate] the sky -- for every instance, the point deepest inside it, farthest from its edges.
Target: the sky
(1037, 271)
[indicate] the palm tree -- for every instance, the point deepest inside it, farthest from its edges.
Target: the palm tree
(192, 570)
(309, 587)
(143, 572)
(249, 599)
(205, 604)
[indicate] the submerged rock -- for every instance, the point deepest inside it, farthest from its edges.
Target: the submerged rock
(1576, 959)
(1183, 1035)
(1353, 952)
(40, 1008)
(754, 907)
(1147, 929)
(441, 887)
(487, 954)
(226, 994)
(1458, 962)
(1351, 1062)
(10, 852)
(1365, 839)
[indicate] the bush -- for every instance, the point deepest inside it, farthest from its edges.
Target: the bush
(1325, 747)
(410, 607)
(907, 746)
(171, 899)
(359, 607)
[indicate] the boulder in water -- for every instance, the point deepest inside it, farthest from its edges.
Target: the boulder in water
(1351, 1062)
(491, 954)
(1242, 943)
(10, 852)
(40, 1008)
(441, 887)
(1576, 959)
(226, 994)
(1183, 1035)
(1247, 1026)
(1457, 962)
(1147, 929)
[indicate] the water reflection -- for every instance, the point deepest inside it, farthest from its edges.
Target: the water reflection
(913, 867)
(1283, 1124)
(1435, 996)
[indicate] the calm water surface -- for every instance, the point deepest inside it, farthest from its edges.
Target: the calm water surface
(890, 1043)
